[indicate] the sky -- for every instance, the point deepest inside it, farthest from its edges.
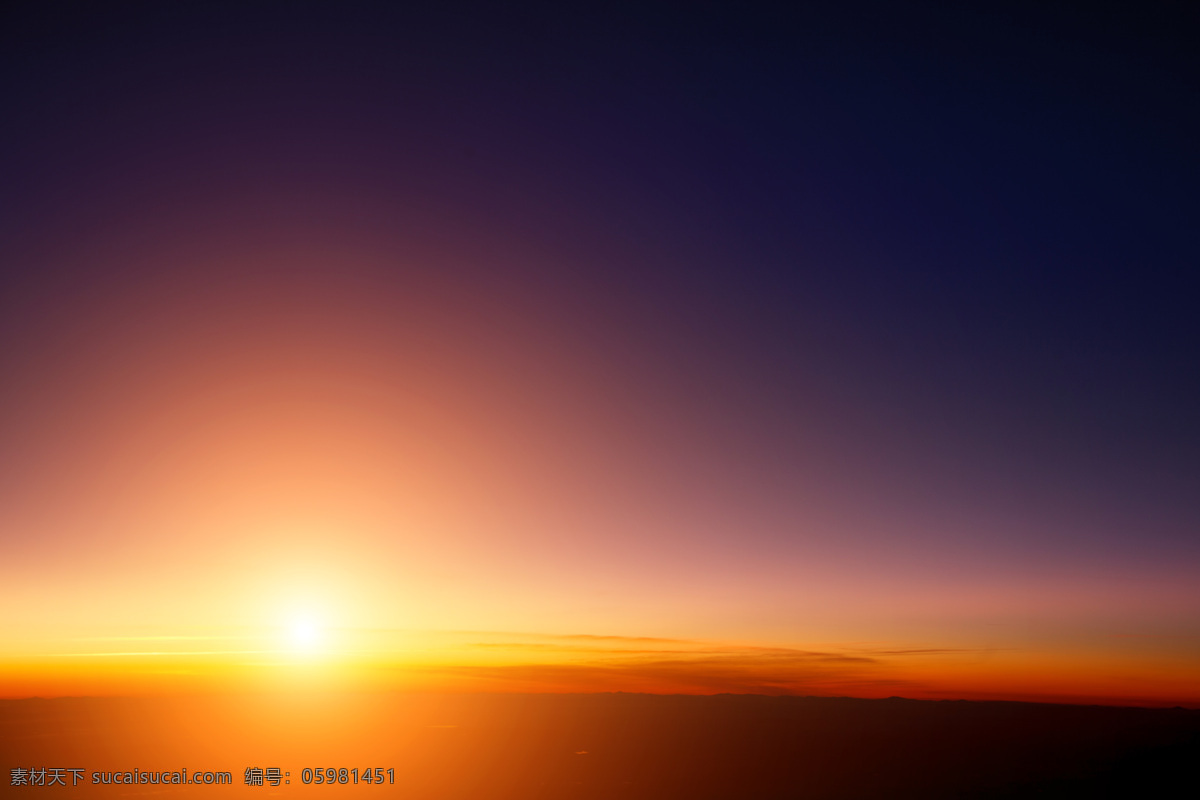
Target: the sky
(839, 350)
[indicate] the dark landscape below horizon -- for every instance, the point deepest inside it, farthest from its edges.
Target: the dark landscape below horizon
(492, 746)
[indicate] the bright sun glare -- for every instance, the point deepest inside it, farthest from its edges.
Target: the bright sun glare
(304, 634)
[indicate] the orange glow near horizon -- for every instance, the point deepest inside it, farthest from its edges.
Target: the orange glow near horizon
(303, 658)
(278, 475)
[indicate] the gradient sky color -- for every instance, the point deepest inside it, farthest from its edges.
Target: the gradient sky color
(822, 352)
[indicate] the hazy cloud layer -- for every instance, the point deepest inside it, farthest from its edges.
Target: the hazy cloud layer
(583, 662)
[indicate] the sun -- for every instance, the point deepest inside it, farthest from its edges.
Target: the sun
(304, 634)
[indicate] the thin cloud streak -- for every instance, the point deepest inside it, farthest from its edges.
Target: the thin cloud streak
(165, 653)
(561, 662)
